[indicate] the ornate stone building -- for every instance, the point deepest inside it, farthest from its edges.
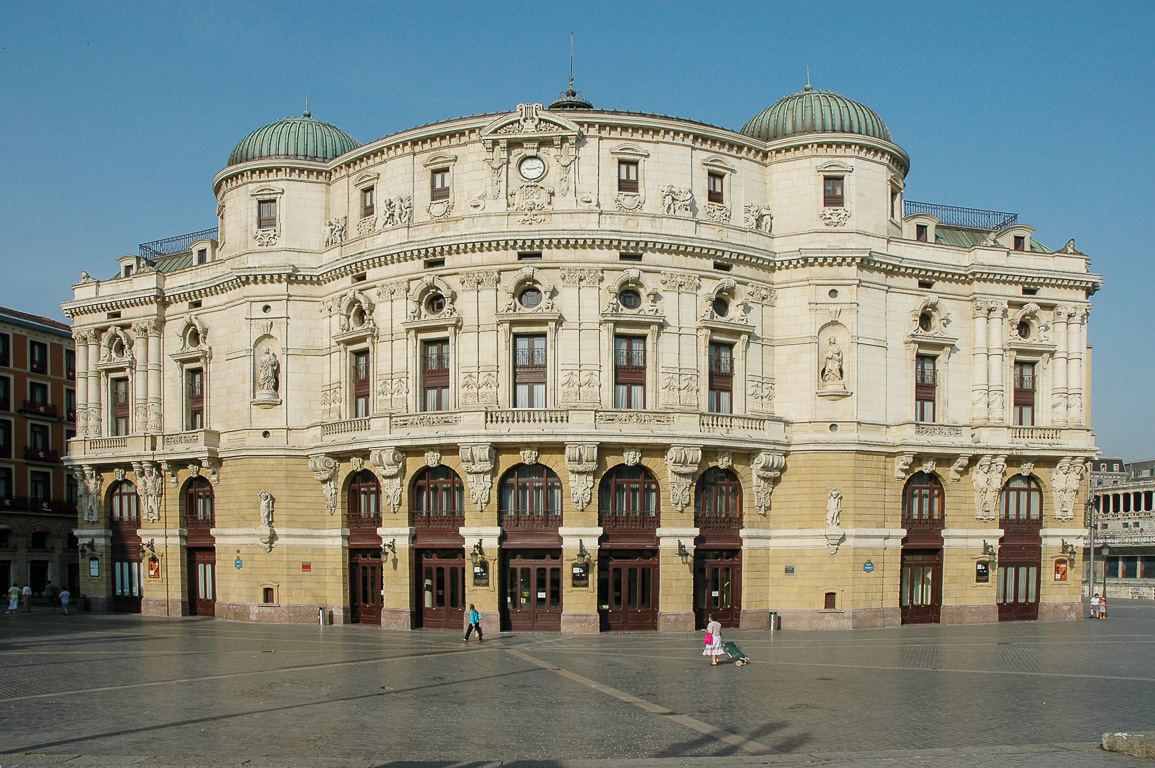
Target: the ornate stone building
(587, 370)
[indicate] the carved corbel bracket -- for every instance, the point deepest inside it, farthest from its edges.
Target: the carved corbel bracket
(767, 467)
(478, 462)
(389, 466)
(581, 460)
(681, 462)
(324, 470)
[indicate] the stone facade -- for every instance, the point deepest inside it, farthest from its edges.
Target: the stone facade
(699, 387)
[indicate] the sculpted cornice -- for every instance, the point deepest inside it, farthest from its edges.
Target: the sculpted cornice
(266, 170)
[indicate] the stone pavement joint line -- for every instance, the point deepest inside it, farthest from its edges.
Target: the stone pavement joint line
(741, 742)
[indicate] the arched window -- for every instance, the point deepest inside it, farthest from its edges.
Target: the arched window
(198, 504)
(438, 499)
(530, 497)
(718, 500)
(38, 537)
(922, 502)
(1022, 502)
(123, 505)
(628, 498)
(364, 500)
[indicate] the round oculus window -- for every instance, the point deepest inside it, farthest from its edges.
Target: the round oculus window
(630, 299)
(832, 293)
(1024, 330)
(925, 322)
(435, 304)
(721, 307)
(529, 298)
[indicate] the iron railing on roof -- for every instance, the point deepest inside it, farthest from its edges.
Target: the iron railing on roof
(178, 244)
(970, 218)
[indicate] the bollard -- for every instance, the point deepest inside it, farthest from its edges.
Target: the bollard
(321, 616)
(775, 621)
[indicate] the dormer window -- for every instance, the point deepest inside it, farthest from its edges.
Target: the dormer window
(627, 175)
(1020, 243)
(920, 233)
(715, 190)
(128, 270)
(368, 202)
(832, 196)
(266, 214)
(439, 184)
(202, 256)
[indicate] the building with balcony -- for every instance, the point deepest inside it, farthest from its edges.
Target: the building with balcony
(588, 370)
(1123, 527)
(37, 418)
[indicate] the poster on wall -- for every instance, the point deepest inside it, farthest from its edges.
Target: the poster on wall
(1060, 570)
(153, 568)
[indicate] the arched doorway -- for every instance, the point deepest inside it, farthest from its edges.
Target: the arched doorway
(628, 565)
(529, 510)
(363, 516)
(124, 520)
(199, 520)
(718, 549)
(920, 596)
(1020, 549)
(437, 506)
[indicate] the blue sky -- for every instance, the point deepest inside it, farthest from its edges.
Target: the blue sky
(119, 114)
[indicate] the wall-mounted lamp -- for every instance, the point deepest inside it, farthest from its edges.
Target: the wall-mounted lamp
(1069, 550)
(583, 556)
(389, 548)
(990, 551)
(148, 548)
(683, 553)
(477, 554)
(87, 547)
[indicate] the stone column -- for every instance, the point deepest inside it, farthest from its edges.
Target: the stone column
(397, 585)
(94, 383)
(1075, 346)
(979, 367)
(140, 378)
(80, 344)
(580, 607)
(995, 336)
(485, 598)
(1059, 376)
(154, 379)
(676, 595)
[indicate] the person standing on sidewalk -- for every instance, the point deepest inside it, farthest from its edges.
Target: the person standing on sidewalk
(50, 595)
(1103, 606)
(65, 597)
(26, 598)
(474, 623)
(13, 598)
(1095, 606)
(714, 647)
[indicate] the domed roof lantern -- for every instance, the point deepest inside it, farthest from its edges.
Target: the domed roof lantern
(570, 99)
(294, 138)
(811, 111)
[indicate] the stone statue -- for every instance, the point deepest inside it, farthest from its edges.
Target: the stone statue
(267, 381)
(266, 508)
(832, 364)
(833, 508)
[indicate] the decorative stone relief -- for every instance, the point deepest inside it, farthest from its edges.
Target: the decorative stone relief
(725, 460)
(834, 534)
(398, 211)
(681, 462)
(680, 387)
(758, 218)
(581, 276)
(331, 401)
(581, 386)
(471, 281)
(325, 472)
(902, 466)
(581, 460)
(677, 201)
(1027, 468)
(767, 467)
(266, 237)
(478, 461)
(389, 466)
(761, 394)
(834, 217)
(356, 464)
(88, 485)
(153, 420)
(366, 225)
(632, 457)
(479, 388)
(392, 392)
(149, 489)
(679, 282)
(718, 212)
(1065, 481)
(335, 231)
(630, 201)
(118, 474)
(532, 200)
(762, 294)
(265, 533)
(956, 469)
(528, 456)
(433, 459)
(987, 479)
(928, 466)
(116, 347)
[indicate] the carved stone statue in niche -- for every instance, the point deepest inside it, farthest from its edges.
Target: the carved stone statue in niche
(266, 507)
(268, 378)
(832, 374)
(833, 508)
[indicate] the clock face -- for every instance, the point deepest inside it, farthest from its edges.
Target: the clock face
(531, 168)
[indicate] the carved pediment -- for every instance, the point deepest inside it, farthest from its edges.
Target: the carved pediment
(530, 120)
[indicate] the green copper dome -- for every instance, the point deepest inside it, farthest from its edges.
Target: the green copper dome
(815, 112)
(295, 138)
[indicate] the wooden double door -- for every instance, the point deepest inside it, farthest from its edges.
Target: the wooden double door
(365, 586)
(202, 582)
(628, 590)
(1017, 590)
(718, 586)
(441, 588)
(920, 596)
(531, 585)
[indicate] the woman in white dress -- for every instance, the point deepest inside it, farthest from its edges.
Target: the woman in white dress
(714, 646)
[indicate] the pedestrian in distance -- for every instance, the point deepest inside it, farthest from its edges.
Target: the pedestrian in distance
(1103, 606)
(50, 595)
(26, 598)
(65, 597)
(13, 598)
(474, 623)
(1095, 606)
(713, 641)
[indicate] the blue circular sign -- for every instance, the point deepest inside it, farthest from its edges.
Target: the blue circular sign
(238, 563)
(868, 566)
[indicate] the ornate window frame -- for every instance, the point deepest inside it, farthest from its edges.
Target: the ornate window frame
(422, 325)
(267, 236)
(628, 202)
(114, 366)
(439, 209)
(835, 216)
(719, 213)
(515, 319)
(645, 321)
(734, 330)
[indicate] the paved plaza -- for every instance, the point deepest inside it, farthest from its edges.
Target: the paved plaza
(92, 689)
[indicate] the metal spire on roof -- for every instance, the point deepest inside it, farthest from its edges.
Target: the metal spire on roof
(808, 87)
(570, 98)
(307, 112)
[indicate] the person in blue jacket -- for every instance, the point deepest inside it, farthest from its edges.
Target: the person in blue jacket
(474, 623)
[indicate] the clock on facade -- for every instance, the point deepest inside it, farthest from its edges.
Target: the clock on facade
(531, 168)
